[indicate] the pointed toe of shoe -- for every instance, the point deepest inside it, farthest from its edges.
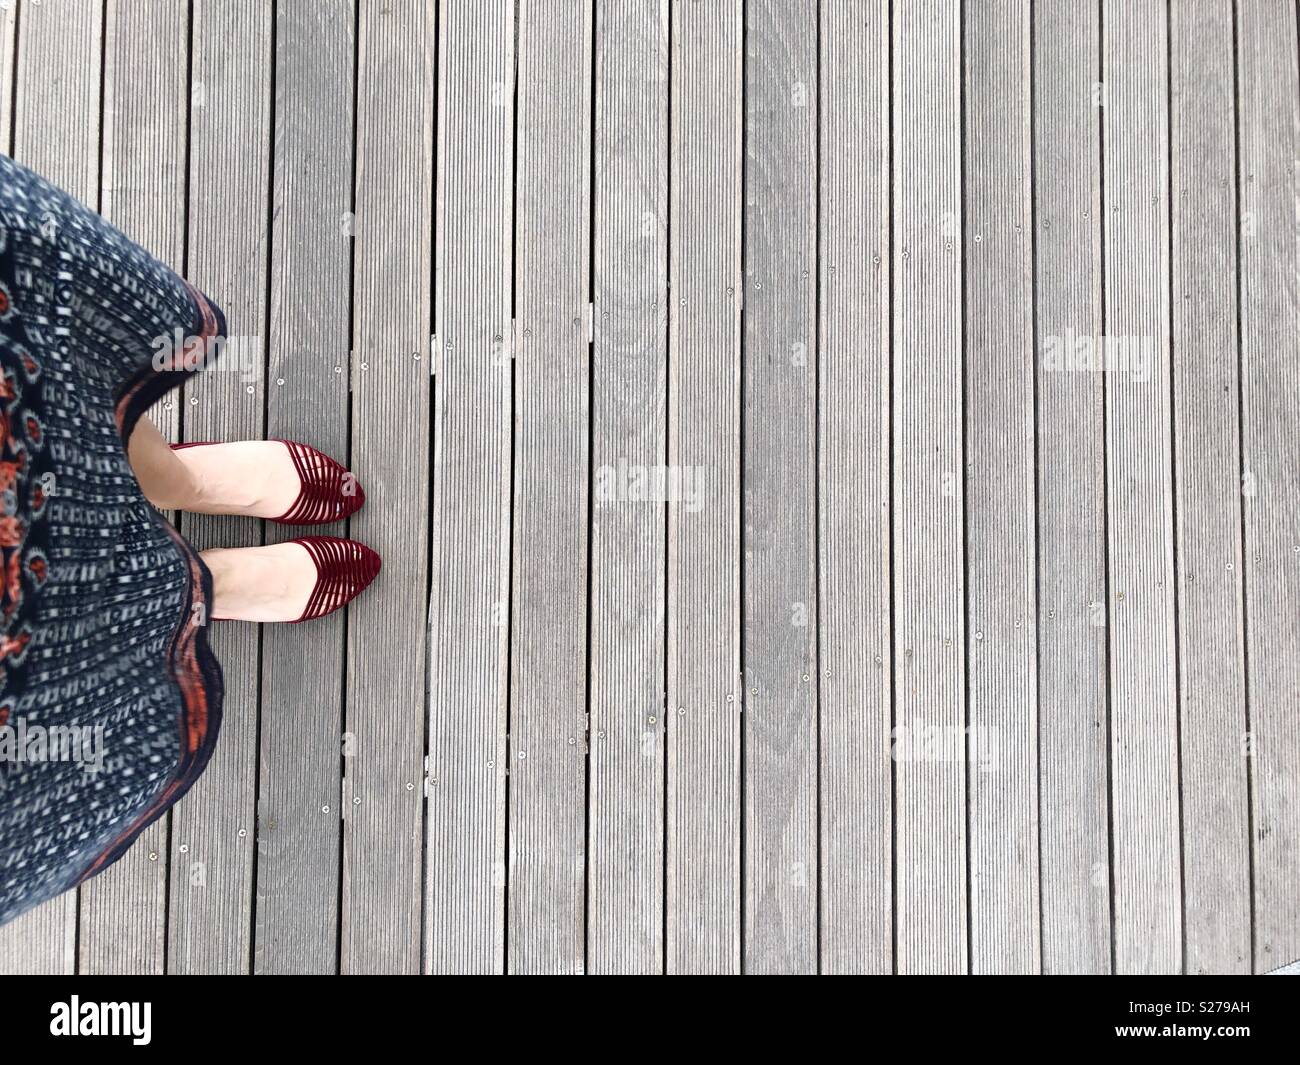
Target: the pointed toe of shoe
(369, 564)
(345, 569)
(353, 501)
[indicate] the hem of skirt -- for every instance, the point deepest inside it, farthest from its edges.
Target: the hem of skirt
(190, 661)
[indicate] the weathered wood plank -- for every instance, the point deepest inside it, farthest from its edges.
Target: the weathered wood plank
(8, 56)
(626, 872)
(1001, 556)
(43, 941)
(145, 128)
(384, 713)
(1143, 657)
(299, 781)
(704, 684)
(56, 120)
(508, 637)
(928, 492)
(145, 141)
(779, 393)
(1207, 468)
(470, 609)
(55, 129)
(779, 483)
(1269, 187)
(1072, 610)
(853, 491)
(548, 643)
(213, 827)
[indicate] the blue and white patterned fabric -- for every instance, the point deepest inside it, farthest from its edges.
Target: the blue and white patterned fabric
(110, 700)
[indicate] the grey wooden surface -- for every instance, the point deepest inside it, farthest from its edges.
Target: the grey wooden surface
(1145, 796)
(1073, 694)
(1207, 467)
(778, 609)
(383, 742)
(1268, 145)
(928, 491)
(215, 831)
(546, 922)
(123, 916)
(625, 900)
(1002, 677)
(854, 573)
(959, 659)
(311, 238)
(469, 605)
(703, 792)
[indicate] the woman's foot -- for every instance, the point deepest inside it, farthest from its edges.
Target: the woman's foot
(293, 581)
(271, 583)
(264, 479)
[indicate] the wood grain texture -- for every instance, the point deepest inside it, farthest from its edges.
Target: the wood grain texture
(779, 446)
(470, 607)
(1143, 656)
(928, 492)
(123, 912)
(844, 275)
(629, 385)
(213, 827)
(1269, 145)
(384, 715)
(1207, 472)
(548, 641)
(703, 896)
(43, 941)
(56, 119)
(55, 129)
(1001, 557)
(299, 779)
(1073, 797)
(8, 72)
(853, 491)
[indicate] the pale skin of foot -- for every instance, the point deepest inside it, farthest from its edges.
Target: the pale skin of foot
(271, 583)
(254, 478)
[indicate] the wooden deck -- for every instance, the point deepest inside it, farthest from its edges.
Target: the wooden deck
(949, 652)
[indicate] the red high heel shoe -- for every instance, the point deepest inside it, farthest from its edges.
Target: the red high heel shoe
(329, 492)
(344, 569)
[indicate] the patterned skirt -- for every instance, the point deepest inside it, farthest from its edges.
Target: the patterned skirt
(110, 699)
